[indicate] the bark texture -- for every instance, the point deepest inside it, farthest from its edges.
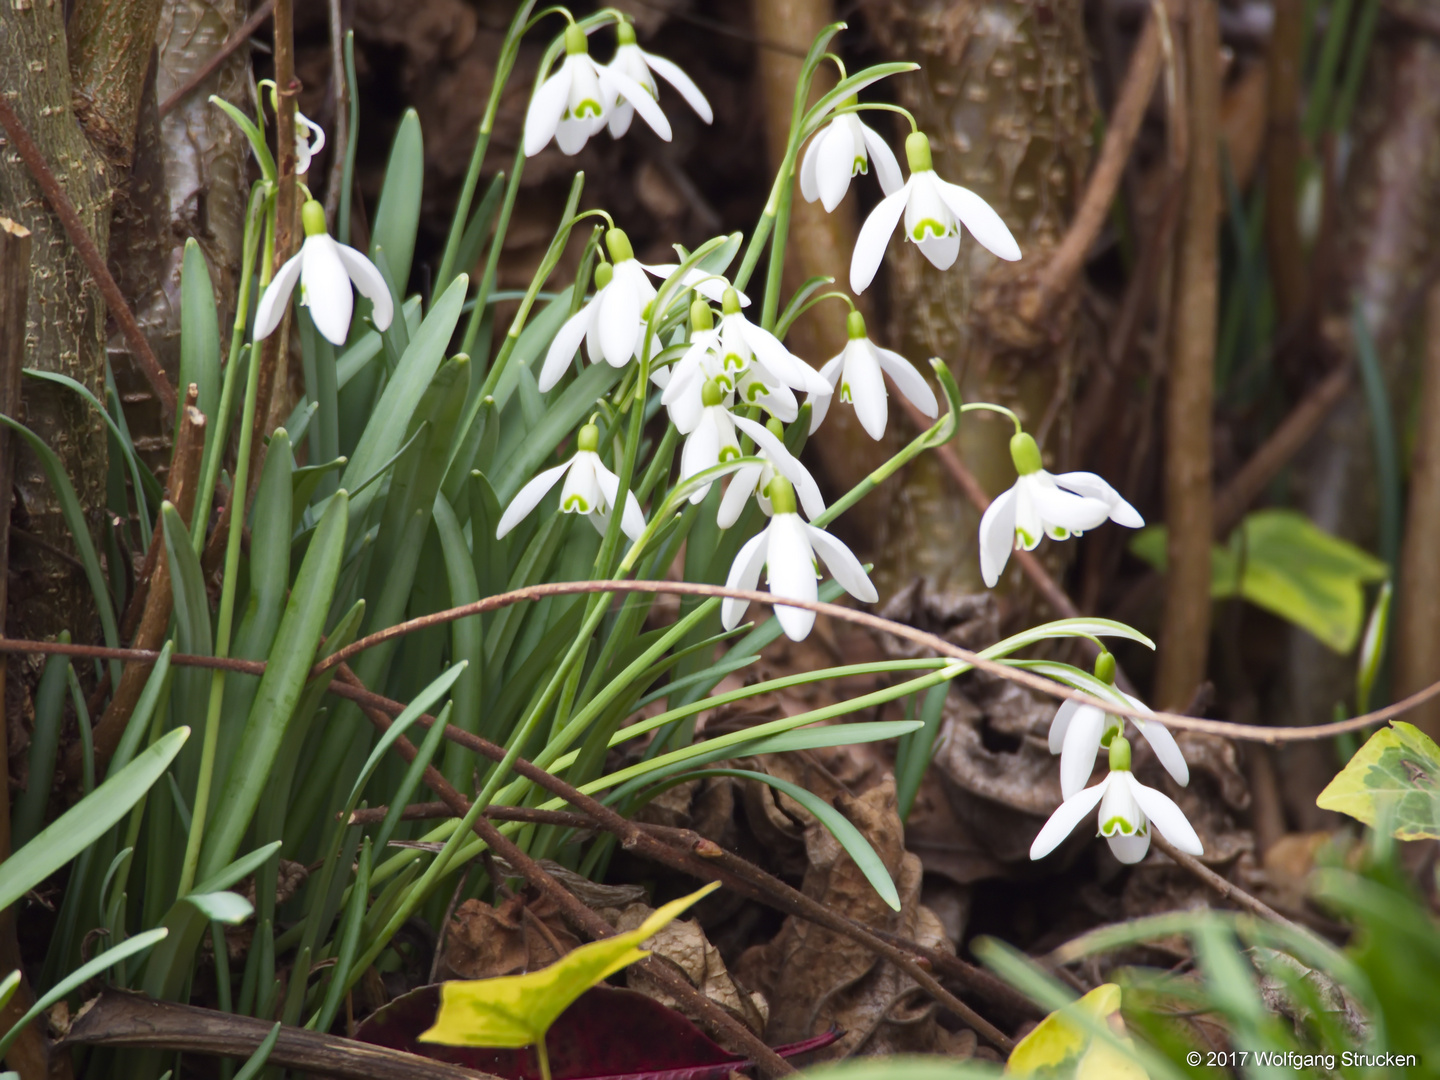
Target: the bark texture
(1004, 93)
(1389, 211)
(64, 321)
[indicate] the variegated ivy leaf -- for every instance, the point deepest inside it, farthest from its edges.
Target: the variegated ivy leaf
(1397, 772)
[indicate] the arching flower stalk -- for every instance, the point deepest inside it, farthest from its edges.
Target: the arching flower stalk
(842, 149)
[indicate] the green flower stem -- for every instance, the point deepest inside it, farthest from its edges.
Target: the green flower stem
(880, 106)
(215, 443)
(509, 50)
(222, 636)
(985, 406)
(492, 262)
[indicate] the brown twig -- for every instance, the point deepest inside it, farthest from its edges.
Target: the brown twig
(1189, 510)
(1244, 732)
(1299, 425)
(1065, 263)
(1289, 266)
(230, 44)
(120, 1018)
(90, 254)
(1226, 888)
(571, 909)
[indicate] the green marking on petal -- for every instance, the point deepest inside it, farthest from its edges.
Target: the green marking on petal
(729, 453)
(588, 109)
(576, 502)
(928, 229)
(1025, 538)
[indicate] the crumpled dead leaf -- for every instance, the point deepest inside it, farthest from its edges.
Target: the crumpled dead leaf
(685, 945)
(815, 978)
(516, 937)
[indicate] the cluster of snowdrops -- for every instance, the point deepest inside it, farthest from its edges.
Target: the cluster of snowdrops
(729, 386)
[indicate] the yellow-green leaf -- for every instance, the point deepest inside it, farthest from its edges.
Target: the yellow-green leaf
(1059, 1047)
(1399, 769)
(516, 1010)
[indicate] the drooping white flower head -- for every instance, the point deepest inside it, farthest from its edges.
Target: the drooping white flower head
(612, 324)
(1127, 810)
(858, 373)
(722, 356)
(755, 479)
(1078, 731)
(590, 489)
(742, 343)
(1043, 504)
(309, 141)
(787, 550)
(933, 210)
(636, 64)
(840, 150)
(325, 270)
(575, 102)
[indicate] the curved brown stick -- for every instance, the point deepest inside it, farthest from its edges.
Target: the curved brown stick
(1243, 732)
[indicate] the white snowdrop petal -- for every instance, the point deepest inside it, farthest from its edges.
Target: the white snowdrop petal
(1082, 744)
(370, 283)
(563, 346)
(874, 238)
(527, 498)
(1166, 816)
(781, 362)
(638, 96)
(1129, 849)
(809, 185)
(325, 288)
(271, 308)
(619, 321)
(887, 169)
(1167, 750)
(941, 251)
(980, 218)
(742, 486)
(547, 106)
(836, 159)
(619, 119)
(1029, 525)
(632, 519)
(866, 386)
(843, 564)
(745, 575)
(1061, 724)
(786, 463)
(1085, 483)
(1063, 821)
(997, 536)
(572, 135)
(1077, 513)
(909, 381)
(671, 73)
(581, 493)
(791, 569)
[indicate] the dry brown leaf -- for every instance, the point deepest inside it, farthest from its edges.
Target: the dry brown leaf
(511, 939)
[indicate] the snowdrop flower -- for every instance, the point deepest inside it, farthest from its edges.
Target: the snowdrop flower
(325, 270)
(742, 343)
(1127, 810)
(731, 365)
(842, 149)
(787, 549)
(858, 373)
(1044, 504)
(934, 210)
(571, 105)
(713, 441)
(1078, 731)
(637, 65)
(306, 130)
(590, 489)
(755, 479)
(612, 324)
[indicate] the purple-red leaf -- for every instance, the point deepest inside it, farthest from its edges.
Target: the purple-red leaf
(607, 1034)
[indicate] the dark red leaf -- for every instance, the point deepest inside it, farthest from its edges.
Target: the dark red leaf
(608, 1034)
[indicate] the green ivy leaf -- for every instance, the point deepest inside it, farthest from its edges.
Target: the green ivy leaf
(1399, 769)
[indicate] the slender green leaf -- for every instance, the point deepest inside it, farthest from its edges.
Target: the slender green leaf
(397, 217)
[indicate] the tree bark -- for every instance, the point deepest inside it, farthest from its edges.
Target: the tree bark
(1004, 93)
(64, 322)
